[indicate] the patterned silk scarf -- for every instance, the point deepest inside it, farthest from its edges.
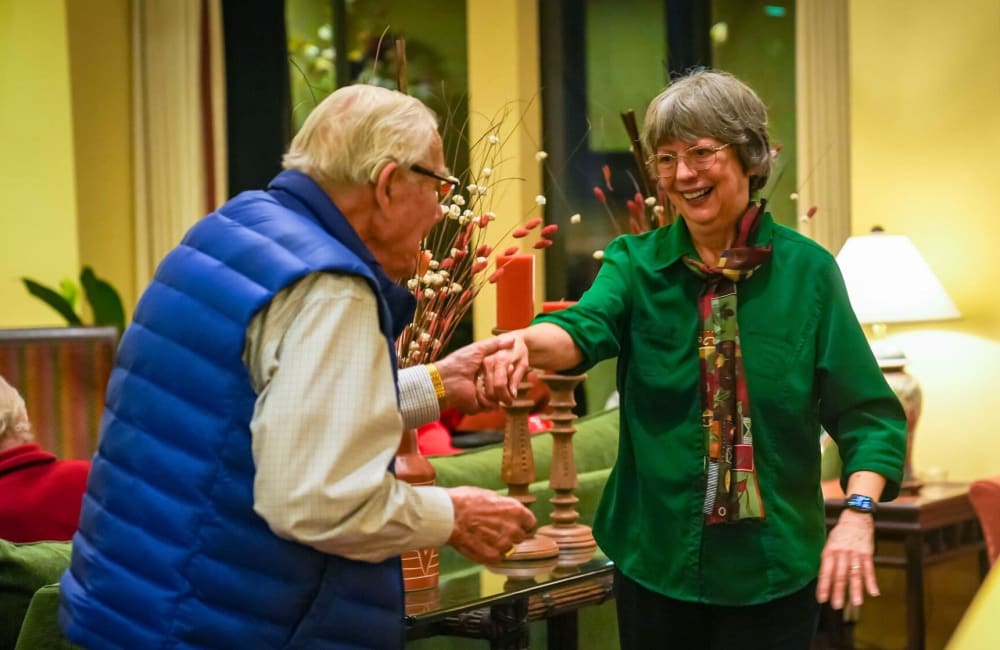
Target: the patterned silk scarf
(731, 491)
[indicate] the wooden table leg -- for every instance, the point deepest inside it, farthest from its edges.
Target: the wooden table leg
(914, 592)
(508, 626)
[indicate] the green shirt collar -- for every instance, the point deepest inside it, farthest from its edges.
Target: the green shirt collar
(674, 242)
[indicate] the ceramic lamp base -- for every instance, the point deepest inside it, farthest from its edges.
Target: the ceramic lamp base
(907, 389)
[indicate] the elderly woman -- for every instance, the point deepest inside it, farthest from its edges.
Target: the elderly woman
(735, 342)
(39, 495)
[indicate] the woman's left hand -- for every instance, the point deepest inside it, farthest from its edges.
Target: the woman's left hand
(848, 564)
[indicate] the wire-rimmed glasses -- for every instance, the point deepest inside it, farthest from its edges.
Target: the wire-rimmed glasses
(698, 158)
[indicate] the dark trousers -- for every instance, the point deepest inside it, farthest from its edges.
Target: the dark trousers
(648, 620)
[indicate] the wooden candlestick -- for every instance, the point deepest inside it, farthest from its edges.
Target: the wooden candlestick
(518, 472)
(575, 540)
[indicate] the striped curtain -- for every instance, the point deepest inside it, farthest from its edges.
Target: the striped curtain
(178, 110)
(62, 374)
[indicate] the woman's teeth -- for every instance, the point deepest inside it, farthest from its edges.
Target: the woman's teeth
(690, 196)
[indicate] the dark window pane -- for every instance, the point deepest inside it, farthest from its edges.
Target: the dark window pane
(755, 40)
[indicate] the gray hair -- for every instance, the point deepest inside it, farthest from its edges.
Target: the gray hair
(14, 424)
(716, 105)
(356, 131)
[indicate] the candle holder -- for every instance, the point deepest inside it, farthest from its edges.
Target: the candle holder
(517, 471)
(575, 540)
(524, 573)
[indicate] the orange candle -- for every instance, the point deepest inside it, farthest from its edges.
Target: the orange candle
(555, 305)
(515, 291)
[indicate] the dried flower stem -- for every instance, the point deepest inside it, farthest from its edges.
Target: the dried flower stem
(460, 253)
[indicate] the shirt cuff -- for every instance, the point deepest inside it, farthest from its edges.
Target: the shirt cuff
(439, 517)
(417, 398)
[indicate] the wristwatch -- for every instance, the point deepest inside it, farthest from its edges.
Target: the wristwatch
(860, 503)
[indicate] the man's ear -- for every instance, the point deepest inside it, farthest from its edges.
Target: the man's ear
(383, 183)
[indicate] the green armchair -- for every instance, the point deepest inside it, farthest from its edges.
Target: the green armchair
(28, 598)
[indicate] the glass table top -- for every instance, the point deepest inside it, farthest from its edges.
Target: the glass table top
(465, 585)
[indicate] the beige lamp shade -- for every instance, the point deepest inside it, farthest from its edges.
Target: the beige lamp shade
(888, 281)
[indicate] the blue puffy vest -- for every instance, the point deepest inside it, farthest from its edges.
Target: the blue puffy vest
(170, 553)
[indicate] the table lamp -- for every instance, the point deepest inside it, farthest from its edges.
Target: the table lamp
(888, 281)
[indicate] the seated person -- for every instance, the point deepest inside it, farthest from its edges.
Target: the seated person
(39, 495)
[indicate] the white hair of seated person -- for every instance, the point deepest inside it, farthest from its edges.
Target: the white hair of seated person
(15, 429)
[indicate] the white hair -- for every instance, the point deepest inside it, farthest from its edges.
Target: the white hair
(14, 424)
(356, 131)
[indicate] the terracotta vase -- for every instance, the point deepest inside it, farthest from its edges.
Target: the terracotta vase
(420, 567)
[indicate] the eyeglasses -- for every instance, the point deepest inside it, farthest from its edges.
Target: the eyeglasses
(447, 185)
(698, 158)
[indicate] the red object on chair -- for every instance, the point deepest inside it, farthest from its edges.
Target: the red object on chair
(434, 439)
(985, 497)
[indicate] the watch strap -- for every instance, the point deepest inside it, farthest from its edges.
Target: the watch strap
(860, 503)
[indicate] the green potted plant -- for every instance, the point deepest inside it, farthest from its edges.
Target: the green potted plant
(104, 300)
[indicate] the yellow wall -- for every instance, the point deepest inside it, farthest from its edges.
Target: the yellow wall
(99, 48)
(38, 211)
(507, 81)
(925, 139)
(66, 136)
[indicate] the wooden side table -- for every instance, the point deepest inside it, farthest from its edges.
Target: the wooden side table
(935, 525)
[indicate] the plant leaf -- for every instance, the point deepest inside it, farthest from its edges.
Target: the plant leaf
(53, 300)
(69, 291)
(103, 298)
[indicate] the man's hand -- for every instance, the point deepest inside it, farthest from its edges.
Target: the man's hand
(847, 562)
(487, 525)
(462, 375)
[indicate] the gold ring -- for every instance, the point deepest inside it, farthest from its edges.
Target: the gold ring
(856, 567)
(509, 552)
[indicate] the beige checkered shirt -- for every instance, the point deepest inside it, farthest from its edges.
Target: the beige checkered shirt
(326, 425)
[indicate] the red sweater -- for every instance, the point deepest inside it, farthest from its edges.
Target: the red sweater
(39, 495)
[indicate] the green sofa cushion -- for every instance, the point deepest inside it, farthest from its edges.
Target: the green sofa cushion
(40, 630)
(24, 569)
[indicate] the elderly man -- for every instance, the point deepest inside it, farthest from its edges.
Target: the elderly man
(241, 495)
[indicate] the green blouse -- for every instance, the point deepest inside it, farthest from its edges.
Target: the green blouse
(807, 364)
